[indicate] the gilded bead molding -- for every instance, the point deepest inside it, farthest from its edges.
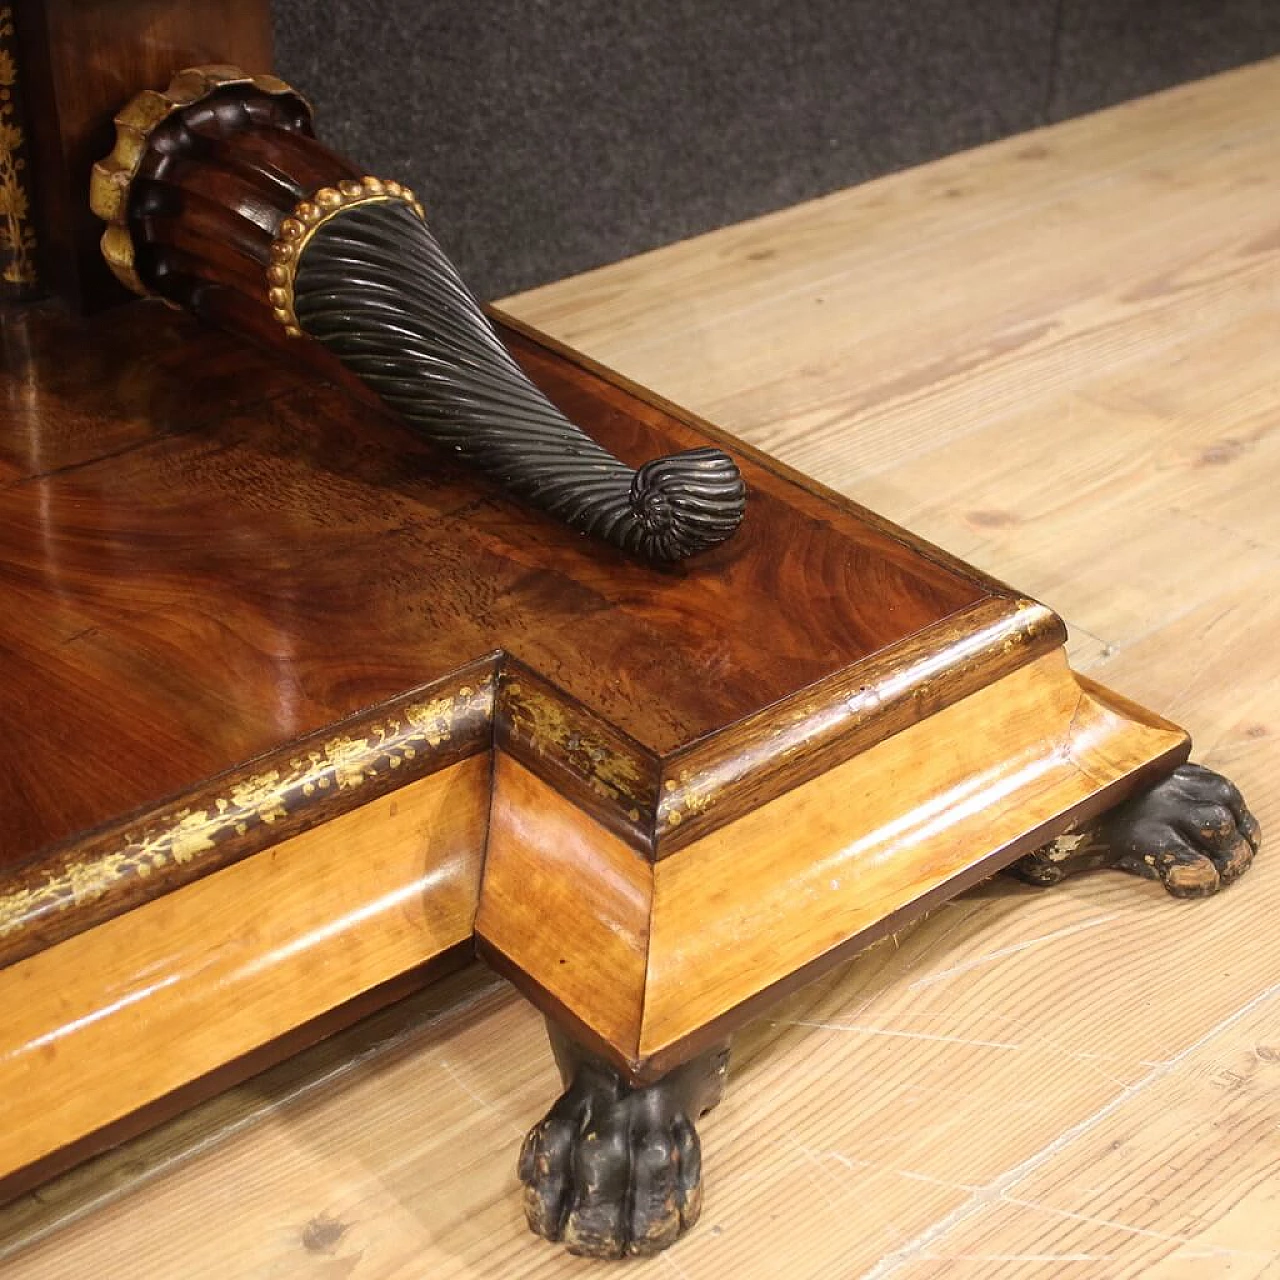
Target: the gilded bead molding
(307, 217)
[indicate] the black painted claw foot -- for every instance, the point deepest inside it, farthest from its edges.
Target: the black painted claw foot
(1191, 831)
(616, 1169)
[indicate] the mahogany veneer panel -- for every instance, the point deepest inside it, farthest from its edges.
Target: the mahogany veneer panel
(81, 59)
(206, 561)
(272, 658)
(71, 393)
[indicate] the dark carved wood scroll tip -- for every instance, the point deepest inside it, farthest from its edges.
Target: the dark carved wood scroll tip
(363, 276)
(687, 503)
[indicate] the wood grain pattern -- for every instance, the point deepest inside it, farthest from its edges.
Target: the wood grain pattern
(136, 381)
(584, 757)
(723, 777)
(777, 897)
(148, 566)
(84, 59)
(123, 1014)
(1024, 1084)
(546, 862)
(115, 868)
(650, 965)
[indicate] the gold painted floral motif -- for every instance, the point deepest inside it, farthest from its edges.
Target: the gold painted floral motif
(432, 719)
(344, 762)
(686, 798)
(611, 773)
(17, 237)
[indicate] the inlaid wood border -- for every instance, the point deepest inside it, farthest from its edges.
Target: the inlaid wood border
(94, 878)
(655, 806)
(123, 1016)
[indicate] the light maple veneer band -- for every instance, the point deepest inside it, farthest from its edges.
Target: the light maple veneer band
(931, 807)
(645, 957)
(120, 1015)
(649, 959)
(548, 862)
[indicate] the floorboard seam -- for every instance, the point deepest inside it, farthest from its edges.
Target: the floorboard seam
(994, 1192)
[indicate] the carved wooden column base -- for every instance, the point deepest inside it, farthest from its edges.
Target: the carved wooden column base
(1191, 831)
(615, 1168)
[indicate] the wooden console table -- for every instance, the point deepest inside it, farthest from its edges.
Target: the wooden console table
(933, 408)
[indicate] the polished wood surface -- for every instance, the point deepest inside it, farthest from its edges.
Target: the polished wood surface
(118, 1016)
(651, 965)
(19, 269)
(254, 626)
(199, 588)
(1057, 357)
(81, 60)
(259, 624)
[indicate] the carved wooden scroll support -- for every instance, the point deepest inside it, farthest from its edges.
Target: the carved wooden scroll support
(218, 198)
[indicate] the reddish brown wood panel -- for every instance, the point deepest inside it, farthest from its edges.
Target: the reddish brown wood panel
(97, 875)
(204, 560)
(72, 394)
(82, 60)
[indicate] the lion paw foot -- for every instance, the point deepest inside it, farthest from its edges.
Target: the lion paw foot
(612, 1169)
(1192, 832)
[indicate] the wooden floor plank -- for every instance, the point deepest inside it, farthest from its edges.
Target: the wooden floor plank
(1065, 371)
(925, 314)
(1179, 1174)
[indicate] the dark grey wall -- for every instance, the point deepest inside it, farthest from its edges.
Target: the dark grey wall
(548, 137)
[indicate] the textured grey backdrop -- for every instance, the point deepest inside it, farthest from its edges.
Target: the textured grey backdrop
(549, 137)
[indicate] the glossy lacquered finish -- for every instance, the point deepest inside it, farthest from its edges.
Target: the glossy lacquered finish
(307, 704)
(248, 615)
(121, 1016)
(216, 192)
(1009, 1030)
(652, 963)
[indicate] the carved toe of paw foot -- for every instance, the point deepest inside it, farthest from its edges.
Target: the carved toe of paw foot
(613, 1169)
(1192, 831)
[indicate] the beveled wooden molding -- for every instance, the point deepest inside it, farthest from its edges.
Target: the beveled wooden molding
(64, 891)
(120, 1016)
(725, 776)
(646, 963)
(659, 805)
(201, 1088)
(652, 963)
(594, 764)
(656, 806)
